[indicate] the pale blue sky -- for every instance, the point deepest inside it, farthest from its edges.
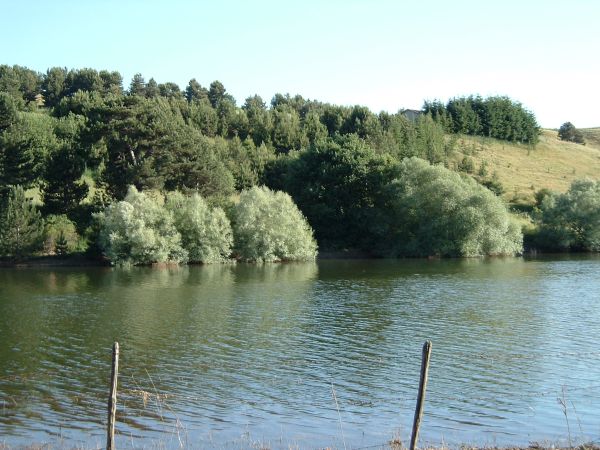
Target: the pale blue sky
(384, 54)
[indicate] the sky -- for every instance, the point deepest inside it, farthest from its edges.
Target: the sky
(387, 55)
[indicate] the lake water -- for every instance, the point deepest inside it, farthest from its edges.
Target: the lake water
(243, 356)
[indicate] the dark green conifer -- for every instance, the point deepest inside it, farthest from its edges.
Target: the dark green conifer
(21, 225)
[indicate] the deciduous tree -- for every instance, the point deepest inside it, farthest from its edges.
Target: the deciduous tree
(568, 132)
(269, 227)
(205, 231)
(139, 230)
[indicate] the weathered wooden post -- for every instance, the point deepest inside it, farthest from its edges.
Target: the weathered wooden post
(421, 397)
(112, 400)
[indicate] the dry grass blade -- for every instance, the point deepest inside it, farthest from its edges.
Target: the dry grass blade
(339, 415)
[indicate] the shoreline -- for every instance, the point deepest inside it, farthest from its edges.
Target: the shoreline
(76, 260)
(392, 445)
(79, 260)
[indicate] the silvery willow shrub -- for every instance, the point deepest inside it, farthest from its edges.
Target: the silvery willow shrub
(205, 232)
(268, 226)
(139, 230)
(435, 211)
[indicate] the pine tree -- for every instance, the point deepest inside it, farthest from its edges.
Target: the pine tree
(138, 85)
(216, 93)
(194, 91)
(8, 111)
(21, 225)
(23, 148)
(63, 189)
(18, 165)
(152, 89)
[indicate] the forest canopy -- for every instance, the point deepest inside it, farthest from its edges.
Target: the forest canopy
(87, 150)
(497, 117)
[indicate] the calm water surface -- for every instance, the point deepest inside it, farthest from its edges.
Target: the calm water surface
(242, 356)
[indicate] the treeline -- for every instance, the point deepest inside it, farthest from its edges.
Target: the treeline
(495, 117)
(288, 123)
(82, 141)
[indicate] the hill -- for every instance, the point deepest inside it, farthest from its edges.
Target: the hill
(591, 136)
(523, 170)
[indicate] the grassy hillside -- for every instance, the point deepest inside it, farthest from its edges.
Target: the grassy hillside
(552, 164)
(591, 136)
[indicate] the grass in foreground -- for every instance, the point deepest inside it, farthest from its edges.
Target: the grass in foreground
(255, 445)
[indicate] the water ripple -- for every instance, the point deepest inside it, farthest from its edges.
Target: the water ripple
(243, 354)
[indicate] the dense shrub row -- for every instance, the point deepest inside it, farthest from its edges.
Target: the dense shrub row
(146, 228)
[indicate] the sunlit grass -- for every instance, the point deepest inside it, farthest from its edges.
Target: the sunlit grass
(552, 164)
(591, 136)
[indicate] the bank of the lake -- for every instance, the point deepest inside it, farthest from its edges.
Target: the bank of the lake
(76, 260)
(81, 260)
(212, 354)
(392, 445)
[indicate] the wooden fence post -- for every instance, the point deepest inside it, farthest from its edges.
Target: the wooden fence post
(421, 397)
(112, 399)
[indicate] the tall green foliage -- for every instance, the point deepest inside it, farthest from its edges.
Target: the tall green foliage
(185, 160)
(260, 122)
(430, 143)
(149, 144)
(85, 79)
(24, 146)
(21, 225)
(137, 85)
(21, 83)
(571, 221)
(216, 93)
(131, 129)
(203, 117)
(8, 111)
(205, 232)
(360, 121)
(63, 189)
(497, 117)
(195, 92)
(269, 227)
(53, 85)
(287, 132)
(337, 184)
(245, 160)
